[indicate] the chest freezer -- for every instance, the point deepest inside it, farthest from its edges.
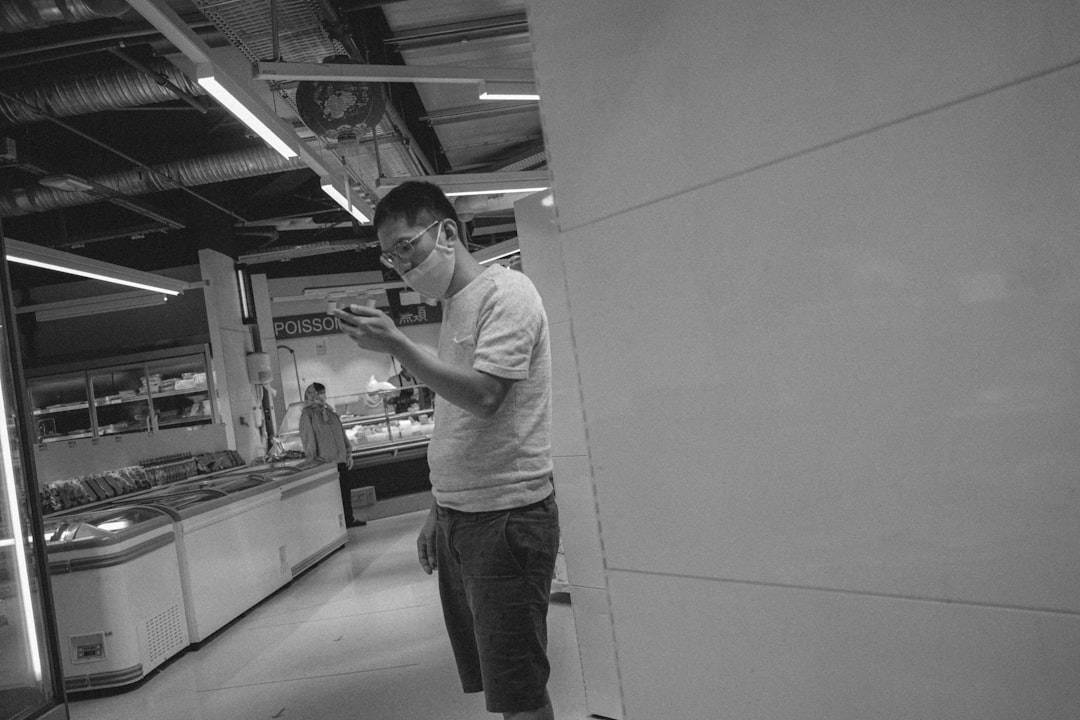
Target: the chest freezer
(231, 547)
(313, 518)
(117, 590)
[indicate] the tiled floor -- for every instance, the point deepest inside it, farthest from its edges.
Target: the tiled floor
(360, 635)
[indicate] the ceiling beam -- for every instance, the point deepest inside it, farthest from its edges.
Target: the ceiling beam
(337, 72)
(502, 27)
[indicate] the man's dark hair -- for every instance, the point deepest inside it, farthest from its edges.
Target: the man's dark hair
(409, 199)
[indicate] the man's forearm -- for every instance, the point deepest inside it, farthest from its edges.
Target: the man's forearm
(477, 392)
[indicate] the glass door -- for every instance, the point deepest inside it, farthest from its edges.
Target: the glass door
(61, 410)
(30, 682)
(180, 390)
(121, 400)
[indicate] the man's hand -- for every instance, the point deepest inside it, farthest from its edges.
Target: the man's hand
(370, 328)
(425, 545)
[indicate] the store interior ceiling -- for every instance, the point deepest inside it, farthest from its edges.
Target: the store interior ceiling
(111, 149)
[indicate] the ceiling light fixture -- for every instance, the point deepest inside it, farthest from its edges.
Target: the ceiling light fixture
(479, 183)
(245, 108)
(496, 90)
(44, 312)
(506, 248)
(49, 259)
(343, 198)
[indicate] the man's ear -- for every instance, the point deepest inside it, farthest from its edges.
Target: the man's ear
(452, 231)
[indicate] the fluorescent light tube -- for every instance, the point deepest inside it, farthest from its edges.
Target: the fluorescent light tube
(493, 191)
(49, 259)
(230, 99)
(245, 305)
(495, 90)
(330, 188)
(91, 275)
(497, 251)
(13, 499)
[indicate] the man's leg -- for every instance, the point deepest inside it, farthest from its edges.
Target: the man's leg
(544, 713)
(507, 563)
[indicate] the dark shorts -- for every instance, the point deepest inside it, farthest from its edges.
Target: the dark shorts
(495, 572)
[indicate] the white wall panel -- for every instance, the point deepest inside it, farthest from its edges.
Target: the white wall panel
(656, 99)
(857, 369)
(692, 649)
(541, 256)
(567, 423)
(596, 643)
(578, 521)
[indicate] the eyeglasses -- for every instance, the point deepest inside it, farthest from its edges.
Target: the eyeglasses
(402, 249)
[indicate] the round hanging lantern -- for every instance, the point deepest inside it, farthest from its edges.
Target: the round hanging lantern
(336, 109)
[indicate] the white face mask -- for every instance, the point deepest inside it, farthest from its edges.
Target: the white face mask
(432, 276)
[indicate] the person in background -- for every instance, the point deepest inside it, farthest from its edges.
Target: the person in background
(493, 529)
(409, 393)
(324, 439)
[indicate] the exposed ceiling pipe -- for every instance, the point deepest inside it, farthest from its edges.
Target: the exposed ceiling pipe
(122, 88)
(251, 162)
(21, 15)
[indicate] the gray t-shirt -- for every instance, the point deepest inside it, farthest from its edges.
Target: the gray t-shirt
(497, 325)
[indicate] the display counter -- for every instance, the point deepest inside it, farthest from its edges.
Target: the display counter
(378, 433)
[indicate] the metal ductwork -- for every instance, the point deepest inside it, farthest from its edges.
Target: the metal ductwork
(83, 94)
(251, 162)
(21, 15)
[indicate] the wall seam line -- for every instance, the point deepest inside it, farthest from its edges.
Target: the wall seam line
(832, 143)
(843, 591)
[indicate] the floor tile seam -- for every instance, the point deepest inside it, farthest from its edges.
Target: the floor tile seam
(854, 593)
(329, 603)
(306, 678)
(337, 617)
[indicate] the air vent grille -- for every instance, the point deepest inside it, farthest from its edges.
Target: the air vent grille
(165, 635)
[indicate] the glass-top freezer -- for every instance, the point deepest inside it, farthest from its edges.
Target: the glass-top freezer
(107, 525)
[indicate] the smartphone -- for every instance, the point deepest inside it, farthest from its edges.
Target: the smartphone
(332, 305)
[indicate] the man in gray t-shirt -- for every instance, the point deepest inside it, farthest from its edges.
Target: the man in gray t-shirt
(493, 531)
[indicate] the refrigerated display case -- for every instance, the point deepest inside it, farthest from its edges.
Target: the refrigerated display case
(31, 684)
(116, 584)
(377, 433)
(143, 393)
